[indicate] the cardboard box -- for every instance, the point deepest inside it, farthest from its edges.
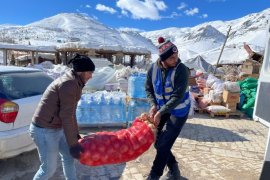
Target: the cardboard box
(231, 106)
(250, 67)
(229, 97)
(192, 81)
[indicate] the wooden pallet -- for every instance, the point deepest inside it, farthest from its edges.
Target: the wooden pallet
(199, 110)
(228, 114)
(212, 114)
(236, 113)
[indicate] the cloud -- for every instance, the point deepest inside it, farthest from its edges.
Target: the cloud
(95, 17)
(175, 14)
(203, 16)
(130, 29)
(172, 15)
(182, 6)
(192, 12)
(87, 6)
(125, 13)
(142, 9)
(101, 7)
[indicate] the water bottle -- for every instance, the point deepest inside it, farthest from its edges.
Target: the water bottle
(103, 110)
(85, 110)
(131, 110)
(145, 107)
(136, 85)
(123, 109)
(79, 112)
(91, 111)
(82, 110)
(112, 110)
(141, 85)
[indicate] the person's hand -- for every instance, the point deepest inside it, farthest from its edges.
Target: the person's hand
(79, 136)
(76, 151)
(152, 111)
(157, 118)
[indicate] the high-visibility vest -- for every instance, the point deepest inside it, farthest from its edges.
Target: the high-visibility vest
(163, 94)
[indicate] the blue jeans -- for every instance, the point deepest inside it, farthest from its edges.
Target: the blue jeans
(168, 130)
(49, 143)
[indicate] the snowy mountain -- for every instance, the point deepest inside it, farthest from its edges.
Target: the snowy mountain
(80, 30)
(74, 30)
(207, 39)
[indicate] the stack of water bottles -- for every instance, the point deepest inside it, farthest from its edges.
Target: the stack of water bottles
(136, 85)
(101, 107)
(136, 92)
(136, 107)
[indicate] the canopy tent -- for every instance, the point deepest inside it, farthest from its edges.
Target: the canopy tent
(198, 63)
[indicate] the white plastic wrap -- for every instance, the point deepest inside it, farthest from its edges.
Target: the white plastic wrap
(123, 84)
(218, 109)
(101, 76)
(232, 86)
(211, 80)
(218, 86)
(123, 72)
(215, 97)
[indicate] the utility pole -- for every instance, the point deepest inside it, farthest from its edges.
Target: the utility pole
(227, 36)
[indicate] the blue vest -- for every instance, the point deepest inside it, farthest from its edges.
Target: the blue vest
(163, 94)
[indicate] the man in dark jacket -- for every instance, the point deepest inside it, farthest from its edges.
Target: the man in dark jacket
(54, 127)
(167, 91)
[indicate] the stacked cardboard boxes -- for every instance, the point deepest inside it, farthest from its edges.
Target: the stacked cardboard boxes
(250, 68)
(231, 99)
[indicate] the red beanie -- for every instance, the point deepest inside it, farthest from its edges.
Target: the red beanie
(166, 48)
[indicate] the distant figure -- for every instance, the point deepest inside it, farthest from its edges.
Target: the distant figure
(167, 91)
(12, 62)
(54, 128)
(29, 65)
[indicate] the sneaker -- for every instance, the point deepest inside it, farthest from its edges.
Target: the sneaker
(173, 173)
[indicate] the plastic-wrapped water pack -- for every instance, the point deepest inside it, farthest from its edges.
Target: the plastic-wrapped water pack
(101, 107)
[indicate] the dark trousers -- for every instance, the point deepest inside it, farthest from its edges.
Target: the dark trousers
(168, 130)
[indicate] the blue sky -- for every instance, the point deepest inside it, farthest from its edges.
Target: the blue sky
(146, 15)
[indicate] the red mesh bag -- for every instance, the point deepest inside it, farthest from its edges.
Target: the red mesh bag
(121, 146)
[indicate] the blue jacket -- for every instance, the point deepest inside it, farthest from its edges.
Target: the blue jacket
(168, 89)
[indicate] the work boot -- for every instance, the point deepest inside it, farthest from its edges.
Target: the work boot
(173, 173)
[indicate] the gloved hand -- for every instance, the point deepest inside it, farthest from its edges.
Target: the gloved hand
(76, 151)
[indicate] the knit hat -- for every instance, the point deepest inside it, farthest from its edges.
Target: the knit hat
(166, 48)
(82, 63)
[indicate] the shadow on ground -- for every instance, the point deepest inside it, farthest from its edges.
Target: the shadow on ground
(204, 133)
(24, 167)
(21, 167)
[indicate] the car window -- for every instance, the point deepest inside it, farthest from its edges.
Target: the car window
(23, 84)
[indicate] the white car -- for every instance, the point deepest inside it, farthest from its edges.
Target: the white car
(20, 92)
